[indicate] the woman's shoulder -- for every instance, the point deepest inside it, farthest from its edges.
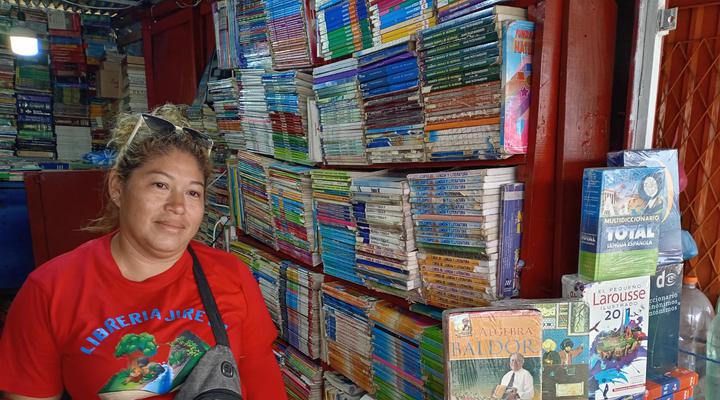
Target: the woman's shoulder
(220, 262)
(72, 261)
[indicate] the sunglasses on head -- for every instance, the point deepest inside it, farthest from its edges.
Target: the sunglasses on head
(162, 126)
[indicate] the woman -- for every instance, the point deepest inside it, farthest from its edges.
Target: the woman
(120, 316)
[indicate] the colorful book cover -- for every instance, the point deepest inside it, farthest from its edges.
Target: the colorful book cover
(670, 246)
(665, 288)
(517, 49)
(619, 312)
(620, 222)
(670, 382)
(511, 197)
(493, 353)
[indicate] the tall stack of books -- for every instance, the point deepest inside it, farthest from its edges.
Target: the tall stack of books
(8, 110)
(396, 337)
(254, 175)
(303, 377)
(431, 357)
(291, 30)
(99, 125)
(70, 89)
(288, 95)
(341, 117)
(254, 46)
(291, 197)
(343, 27)
(226, 34)
(390, 87)
(224, 95)
(253, 111)
(346, 327)
(475, 73)
(385, 244)
(33, 87)
(398, 19)
(136, 100)
(302, 308)
(456, 217)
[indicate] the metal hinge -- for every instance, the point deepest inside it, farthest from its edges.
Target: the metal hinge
(667, 19)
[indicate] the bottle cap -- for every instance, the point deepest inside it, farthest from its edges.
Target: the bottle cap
(690, 280)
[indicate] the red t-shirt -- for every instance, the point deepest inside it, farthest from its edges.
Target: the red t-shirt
(78, 324)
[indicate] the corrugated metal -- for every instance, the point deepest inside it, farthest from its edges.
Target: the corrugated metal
(103, 7)
(688, 115)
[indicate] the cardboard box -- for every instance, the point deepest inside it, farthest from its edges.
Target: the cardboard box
(111, 81)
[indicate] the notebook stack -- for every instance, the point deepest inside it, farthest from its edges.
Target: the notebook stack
(346, 327)
(456, 217)
(224, 94)
(475, 73)
(254, 51)
(287, 96)
(385, 245)
(291, 198)
(343, 27)
(398, 19)
(8, 107)
(396, 337)
(291, 30)
(136, 100)
(341, 117)
(393, 109)
(303, 377)
(302, 308)
(255, 190)
(253, 111)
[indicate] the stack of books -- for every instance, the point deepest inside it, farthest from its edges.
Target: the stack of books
(393, 108)
(226, 34)
(288, 95)
(291, 198)
(267, 270)
(341, 116)
(136, 100)
(217, 206)
(303, 377)
(302, 308)
(456, 216)
(679, 383)
(346, 327)
(343, 26)
(97, 33)
(253, 111)
(8, 110)
(475, 74)
(397, 19)
(291, 30)
(431, 358)
(224, 94)
(252, 36)
(385, 243)
(253, 171)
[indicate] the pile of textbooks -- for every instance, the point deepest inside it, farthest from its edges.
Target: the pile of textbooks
(303, 377)
(291, 26)
(341, 116)
(388, 76)
(396, 337)
(252, 34)
(291, 198)
(457, 216)
(397, 19)
(301, 308)
(224, 96)
(346, 327)
(385, 245)
(253, 170)
(253, 111)
(288, 95)
(343, 27)
(475, 74)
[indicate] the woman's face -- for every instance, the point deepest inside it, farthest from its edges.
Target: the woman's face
(162, 204)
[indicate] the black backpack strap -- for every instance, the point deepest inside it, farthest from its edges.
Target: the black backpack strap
(216, 322)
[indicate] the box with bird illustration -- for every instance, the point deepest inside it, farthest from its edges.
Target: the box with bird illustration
(618, 326)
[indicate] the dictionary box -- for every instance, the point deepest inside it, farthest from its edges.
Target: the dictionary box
(618, 320)
(620, 222)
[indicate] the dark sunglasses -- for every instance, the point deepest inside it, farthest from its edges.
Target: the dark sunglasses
(164, 127)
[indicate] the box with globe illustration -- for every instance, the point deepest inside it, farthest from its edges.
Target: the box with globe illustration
(620, 222)
(618, 321)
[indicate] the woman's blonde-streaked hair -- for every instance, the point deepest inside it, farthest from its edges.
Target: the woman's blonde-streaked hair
(144, 147)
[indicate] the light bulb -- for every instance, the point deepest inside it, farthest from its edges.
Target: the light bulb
(23, 41)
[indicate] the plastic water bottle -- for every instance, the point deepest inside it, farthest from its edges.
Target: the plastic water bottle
(696, 315)
(712, 379)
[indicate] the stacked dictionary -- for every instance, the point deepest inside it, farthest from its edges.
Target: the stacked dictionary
(291, 198)
(224, 94)
(456, 216)
(398, 19)
(253, 170)
(341, 118)
(385, 247)
(253, 111)
(290, 25)
(396, 337)
(388, 76)
(343, 27)
(346, 327)
(290, 102)
(302, 308)
(475, 73)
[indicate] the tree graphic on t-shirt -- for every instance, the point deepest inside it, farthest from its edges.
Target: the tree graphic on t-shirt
(138, 348)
